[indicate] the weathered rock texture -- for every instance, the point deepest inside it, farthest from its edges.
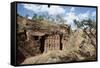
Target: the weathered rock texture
(38, 40)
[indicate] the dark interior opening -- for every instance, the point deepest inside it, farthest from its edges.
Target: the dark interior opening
(36, 37)
(49, 45)
(60, 42)
(42, 41)
(60, 46)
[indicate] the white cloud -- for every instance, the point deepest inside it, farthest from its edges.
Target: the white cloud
(30, 18)
(53, 10)
(93, 14)
(35, 8)
(72, 9)
(85, 15)
(71, 16)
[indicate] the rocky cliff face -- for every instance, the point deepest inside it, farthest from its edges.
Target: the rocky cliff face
(43, 42)
(79, 48)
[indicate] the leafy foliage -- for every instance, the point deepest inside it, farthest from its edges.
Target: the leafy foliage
(85, 23)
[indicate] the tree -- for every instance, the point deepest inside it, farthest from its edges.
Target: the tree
(78, 23)
(37, 17)
(34, 17)
(89, 27)
(85, 23)
(40, 18)
(60, 19)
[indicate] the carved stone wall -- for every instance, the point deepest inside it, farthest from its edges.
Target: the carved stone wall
(65, 42)
(52, 42)
(48, 42)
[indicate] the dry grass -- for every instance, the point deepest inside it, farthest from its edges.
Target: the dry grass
(54, 56)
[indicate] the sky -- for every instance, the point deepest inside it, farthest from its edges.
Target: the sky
(68, 13)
